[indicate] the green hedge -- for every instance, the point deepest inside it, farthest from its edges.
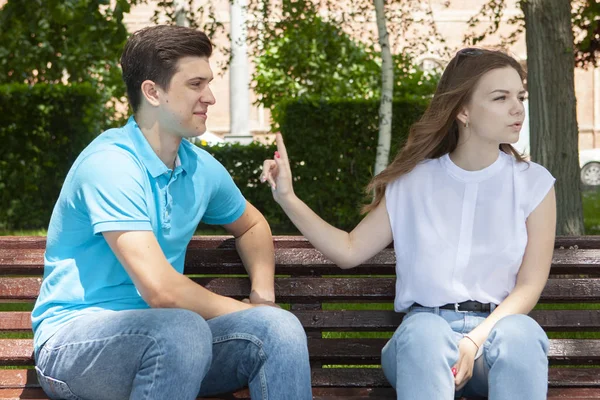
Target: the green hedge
(332, 147)
(42, 130)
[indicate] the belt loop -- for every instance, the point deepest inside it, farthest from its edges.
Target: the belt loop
(436, 310)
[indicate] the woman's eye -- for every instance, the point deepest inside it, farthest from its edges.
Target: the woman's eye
(500, 98)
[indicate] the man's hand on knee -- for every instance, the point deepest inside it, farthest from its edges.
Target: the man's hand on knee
(256, 299)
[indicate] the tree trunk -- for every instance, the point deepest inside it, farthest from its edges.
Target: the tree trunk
(180, 13)
(239, 76)
(552, 105)
(387, 91)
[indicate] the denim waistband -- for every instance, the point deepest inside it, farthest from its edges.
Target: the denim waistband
(439, 310)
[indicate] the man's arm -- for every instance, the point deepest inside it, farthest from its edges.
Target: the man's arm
(159, 284)
(254, 243)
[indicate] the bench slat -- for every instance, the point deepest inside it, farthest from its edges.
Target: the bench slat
(329, 394)
(349, 351)
(346, 377)
(16, 352)
(220, 241)
(371, 320)
(297, 261)
(327, 289)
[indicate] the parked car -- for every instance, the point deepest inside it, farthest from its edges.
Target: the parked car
(589, 162)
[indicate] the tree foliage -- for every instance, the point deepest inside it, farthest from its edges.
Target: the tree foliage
(314, 58)
(43, 128)
(585, 17)
(64, 41)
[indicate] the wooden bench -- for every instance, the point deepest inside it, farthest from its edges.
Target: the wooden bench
(313, 287)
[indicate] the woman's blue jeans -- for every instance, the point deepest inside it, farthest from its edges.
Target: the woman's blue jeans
(513, 364)
(175, 354)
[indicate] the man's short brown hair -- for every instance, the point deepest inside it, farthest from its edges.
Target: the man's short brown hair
(152, 54)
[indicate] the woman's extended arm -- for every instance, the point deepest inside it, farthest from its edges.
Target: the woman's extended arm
(347, 250)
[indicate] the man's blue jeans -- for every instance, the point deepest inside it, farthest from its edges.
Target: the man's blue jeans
(513, 361)
(175, 354)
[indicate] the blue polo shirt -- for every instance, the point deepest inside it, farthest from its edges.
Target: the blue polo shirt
(118, 183)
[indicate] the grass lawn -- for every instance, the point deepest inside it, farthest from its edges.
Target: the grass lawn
(591, 211)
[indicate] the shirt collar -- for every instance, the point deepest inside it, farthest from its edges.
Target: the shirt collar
(146, 154)
(474, 176)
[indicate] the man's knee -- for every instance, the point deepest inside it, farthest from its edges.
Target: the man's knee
(184, 339)
(280, 328)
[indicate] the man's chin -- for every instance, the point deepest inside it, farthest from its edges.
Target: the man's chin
(195, 133)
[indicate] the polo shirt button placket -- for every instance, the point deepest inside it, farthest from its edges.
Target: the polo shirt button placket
(167, 212)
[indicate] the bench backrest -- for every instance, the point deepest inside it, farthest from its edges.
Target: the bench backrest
(332, 304)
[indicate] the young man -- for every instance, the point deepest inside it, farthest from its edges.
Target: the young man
(115, 318)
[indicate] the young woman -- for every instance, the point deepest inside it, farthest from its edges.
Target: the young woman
(473, 229)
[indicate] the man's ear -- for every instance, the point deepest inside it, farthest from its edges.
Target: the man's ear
(151, 92)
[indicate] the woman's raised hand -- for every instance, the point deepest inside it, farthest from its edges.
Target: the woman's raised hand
(277, 172)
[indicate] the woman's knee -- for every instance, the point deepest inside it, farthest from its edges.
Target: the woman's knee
(423, 330)
(520, 329)
(517, 336)
(423, 339)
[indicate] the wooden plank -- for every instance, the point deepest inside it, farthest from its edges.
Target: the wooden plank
(346, 377)
(18, 378)
(16, 352)
(370, 320)
(577, 242)
(22, 242)
(308, 261)
(376, 320)
(15, 321)
(574, 377)
(574, 351)
(571, 290)
(374, 377)
(290, 261)
(567, 320)
(287, 241)
(576, 262)
(311, 290)
(573, 394)
(325, 394)
(349, 351)
(17, 394)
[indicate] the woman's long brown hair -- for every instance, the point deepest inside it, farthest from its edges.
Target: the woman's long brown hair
(436, 133)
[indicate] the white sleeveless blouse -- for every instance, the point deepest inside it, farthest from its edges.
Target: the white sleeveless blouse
(460, 235)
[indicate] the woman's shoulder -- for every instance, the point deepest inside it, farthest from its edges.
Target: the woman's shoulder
(421, 171)
(534, 182)
(529, 170)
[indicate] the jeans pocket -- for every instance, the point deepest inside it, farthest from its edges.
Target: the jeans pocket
(54, 388)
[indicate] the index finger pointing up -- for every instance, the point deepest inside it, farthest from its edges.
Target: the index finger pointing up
(281, 146)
